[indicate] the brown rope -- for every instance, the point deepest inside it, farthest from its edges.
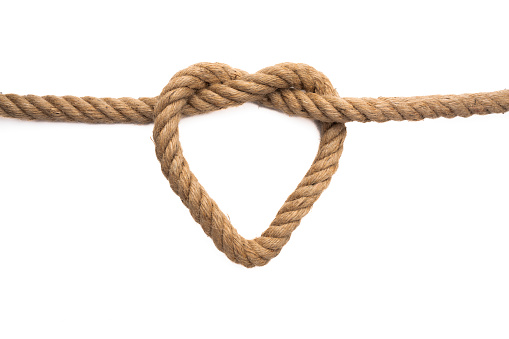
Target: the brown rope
(268, 87)
(295, 89)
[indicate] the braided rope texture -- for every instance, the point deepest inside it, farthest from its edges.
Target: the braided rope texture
(296, 89)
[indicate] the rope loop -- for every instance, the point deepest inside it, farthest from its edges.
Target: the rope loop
(207, 87)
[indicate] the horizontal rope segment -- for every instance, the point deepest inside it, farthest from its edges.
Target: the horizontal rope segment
(326, 108)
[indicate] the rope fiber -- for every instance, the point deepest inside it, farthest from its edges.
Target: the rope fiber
(295, 89)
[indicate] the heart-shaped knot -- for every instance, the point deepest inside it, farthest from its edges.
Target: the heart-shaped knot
(206, 87)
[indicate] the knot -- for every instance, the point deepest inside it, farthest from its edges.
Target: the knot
(207, 87)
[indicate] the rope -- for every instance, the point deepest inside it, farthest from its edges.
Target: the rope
(268, 87)
(296, 89)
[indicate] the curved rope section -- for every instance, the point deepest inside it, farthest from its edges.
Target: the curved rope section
(183, 93)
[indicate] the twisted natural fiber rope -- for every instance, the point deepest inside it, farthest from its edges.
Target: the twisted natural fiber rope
(327, 108)
(295, 89)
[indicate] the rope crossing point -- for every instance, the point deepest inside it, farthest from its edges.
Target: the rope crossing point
(296, 89)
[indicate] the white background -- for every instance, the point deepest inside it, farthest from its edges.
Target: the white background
(409, 241)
